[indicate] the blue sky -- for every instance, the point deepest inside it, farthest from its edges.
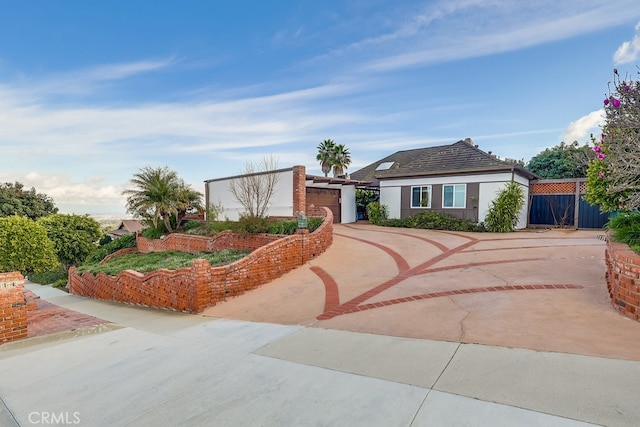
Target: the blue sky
(90, 92)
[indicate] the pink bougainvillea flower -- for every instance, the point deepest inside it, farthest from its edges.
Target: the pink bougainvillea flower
(601, 175)
(597, 149)
(606, 101)
(615, 102)
(601, 156)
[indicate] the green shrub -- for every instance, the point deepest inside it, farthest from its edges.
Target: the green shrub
(253, 224)
(435, 221)
(505, 209)
(60, 284)
(377, 213)
(626, 229)
(74, 237)
(191, 224)
(25, 246)
(49, 276)
(154, 232)
(104, 240)
(98, 254)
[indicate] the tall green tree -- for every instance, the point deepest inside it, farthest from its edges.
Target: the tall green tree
(25, 246)
(74, 237)
(15, 200)
(159, 196)
(325, 155)
(562, 161)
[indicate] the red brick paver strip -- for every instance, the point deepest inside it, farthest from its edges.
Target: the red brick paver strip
(50, 319)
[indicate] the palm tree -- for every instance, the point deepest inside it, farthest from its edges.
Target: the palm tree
(325, 155)
(160, 195)
(341, 159)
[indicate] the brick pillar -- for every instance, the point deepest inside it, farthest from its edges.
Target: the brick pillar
(13, 307)
(299, 190)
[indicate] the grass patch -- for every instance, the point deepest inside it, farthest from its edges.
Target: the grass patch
(171, 260)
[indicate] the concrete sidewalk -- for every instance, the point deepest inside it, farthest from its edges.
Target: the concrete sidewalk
(161, 368)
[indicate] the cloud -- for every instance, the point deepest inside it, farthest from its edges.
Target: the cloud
(585, 125)
(629, 50)
(453, 30)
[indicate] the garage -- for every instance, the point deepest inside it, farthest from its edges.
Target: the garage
(329, 197)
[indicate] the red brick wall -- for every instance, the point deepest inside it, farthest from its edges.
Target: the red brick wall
(200, 286)
(299, 190)
(13, 307)
(623, 279)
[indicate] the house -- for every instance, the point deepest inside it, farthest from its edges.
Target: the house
(127, 226)
(294, 193)
(458, 179)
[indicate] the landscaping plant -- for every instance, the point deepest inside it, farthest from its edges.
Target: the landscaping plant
(25, 246)
(377, 213)
(505, 209)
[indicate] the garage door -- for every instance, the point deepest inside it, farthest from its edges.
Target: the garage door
(329, 197)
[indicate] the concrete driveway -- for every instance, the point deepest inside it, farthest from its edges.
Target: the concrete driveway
(540, 290)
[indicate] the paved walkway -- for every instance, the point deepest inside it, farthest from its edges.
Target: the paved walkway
(371, 333)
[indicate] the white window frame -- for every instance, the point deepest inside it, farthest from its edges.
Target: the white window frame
(464, 200)
(428, 205)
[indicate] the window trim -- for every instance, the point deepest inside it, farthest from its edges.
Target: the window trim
(464, 204)
(428, 206)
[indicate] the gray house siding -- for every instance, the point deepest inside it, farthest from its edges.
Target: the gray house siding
(469, 212)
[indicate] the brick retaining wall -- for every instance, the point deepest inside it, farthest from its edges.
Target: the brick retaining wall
(13, 307)
(623, 278)
(195, 288)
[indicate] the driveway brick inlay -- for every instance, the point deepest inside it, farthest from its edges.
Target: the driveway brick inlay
(333, 308)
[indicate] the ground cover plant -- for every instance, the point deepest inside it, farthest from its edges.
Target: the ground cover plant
(625, 228)
(435, 221)
(171, 260)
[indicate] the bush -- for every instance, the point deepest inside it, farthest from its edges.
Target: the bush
(98, 254)
(154, 232)
(74, 237)
(435, 221)
(25, 246)
(626, 229)
(60, 284)
(377, 213)
(49, 276)
(505, 209)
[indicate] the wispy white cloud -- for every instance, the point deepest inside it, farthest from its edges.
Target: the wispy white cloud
(584, 126)
(629, 50)
(453, 30)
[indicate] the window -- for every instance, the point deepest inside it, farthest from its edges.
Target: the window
(454, 196)
(421, 197)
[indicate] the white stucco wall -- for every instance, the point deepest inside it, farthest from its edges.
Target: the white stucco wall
(390, 197)
(281, 201)
(348, 204)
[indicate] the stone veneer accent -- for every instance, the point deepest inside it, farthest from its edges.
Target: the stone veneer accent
(623, 278)
(13, 307)
(195, 288)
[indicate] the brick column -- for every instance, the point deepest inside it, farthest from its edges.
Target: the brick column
(299, 190)
(13, 307)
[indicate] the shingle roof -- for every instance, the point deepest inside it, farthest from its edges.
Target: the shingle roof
(460, 157)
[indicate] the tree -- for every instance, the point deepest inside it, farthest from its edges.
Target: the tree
(74, 237)
(25, 246)
(562, 161)
(505, 209)
(15, 200)
(341, 159)
(614, 176)
(159, 197)
(325, 155)
(255, 187)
